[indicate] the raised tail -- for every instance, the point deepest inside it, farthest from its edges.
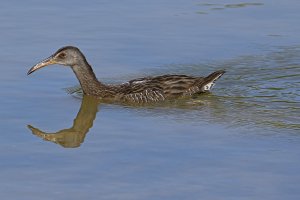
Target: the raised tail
(210, 80)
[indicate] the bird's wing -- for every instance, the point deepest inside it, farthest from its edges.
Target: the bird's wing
(143, 90)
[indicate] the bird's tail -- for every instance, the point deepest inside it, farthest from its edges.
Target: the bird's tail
(210, 80)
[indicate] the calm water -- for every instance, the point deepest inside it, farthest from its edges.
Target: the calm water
(239, 142)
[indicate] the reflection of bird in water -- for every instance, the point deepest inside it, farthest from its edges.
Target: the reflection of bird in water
(74, 136)
(142, 90)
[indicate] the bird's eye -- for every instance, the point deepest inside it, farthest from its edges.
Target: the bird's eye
(62, 55)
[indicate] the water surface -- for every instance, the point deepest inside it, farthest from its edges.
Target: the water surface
(239, 142)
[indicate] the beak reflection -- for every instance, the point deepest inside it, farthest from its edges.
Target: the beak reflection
(73, 137)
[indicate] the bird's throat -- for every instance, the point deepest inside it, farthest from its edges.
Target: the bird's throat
(87, 79)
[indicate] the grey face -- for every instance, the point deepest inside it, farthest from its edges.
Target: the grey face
(68, 56)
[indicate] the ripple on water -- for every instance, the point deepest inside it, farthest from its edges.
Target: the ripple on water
(269, 87)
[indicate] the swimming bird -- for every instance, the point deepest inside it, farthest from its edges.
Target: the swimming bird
(141, 90)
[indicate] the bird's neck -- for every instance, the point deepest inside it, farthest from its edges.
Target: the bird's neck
(88, 81)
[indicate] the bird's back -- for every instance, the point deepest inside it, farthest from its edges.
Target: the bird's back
(159, 88)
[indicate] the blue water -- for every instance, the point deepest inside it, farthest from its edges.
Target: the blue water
(240, 142)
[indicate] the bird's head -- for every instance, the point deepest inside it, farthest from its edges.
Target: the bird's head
(68, 56)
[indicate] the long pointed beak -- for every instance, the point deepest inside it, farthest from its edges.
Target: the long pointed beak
(46, 62)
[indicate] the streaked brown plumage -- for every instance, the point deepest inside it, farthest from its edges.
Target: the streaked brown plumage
(142, 90)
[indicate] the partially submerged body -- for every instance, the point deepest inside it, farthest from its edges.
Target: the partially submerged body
(142, 90)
